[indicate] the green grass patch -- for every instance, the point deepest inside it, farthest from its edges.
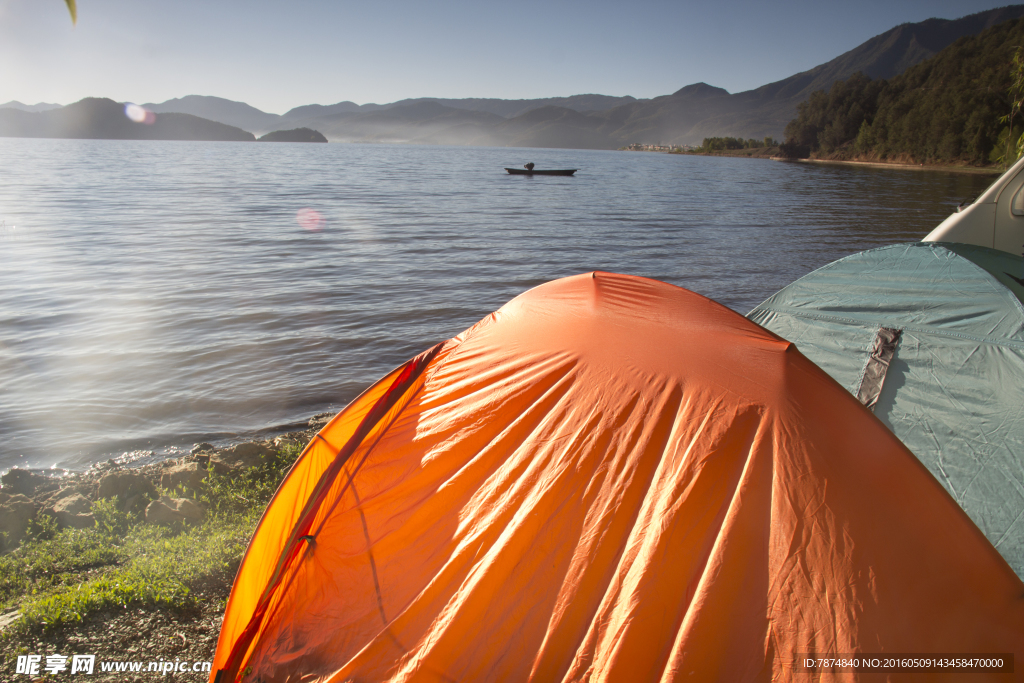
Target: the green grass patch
(61, 577)
(162, 567)
(44, 565)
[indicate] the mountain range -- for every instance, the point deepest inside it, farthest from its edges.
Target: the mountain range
(252, 119)
(103, 119)
(42, 106)
(591, 121)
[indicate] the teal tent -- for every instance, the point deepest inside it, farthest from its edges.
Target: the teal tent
(930, 336)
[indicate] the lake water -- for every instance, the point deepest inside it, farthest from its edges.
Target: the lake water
(156, 294)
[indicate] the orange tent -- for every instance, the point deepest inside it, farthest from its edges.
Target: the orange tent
(609, 479)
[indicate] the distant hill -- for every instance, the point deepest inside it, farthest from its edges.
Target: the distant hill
(421, 122)
(552, 126)
(237, 114)
(294, 135)
(893, 52)
(944, 110)
(42, 106)
(312, 111)
(100, 118)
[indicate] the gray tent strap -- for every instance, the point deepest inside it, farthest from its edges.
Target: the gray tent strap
(878, 364)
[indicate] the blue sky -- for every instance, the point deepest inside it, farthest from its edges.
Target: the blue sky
(276, 55)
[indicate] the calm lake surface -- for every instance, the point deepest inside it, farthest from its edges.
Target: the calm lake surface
(157, 294)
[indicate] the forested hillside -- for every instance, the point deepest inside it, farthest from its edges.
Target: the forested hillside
(946, 109)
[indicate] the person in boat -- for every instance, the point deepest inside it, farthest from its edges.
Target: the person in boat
(529, 166)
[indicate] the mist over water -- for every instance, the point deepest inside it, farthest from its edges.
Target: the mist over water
(155, 294)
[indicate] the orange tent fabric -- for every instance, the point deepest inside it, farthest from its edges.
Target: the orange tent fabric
(609, 479)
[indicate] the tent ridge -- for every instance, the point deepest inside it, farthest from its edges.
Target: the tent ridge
(950, 249)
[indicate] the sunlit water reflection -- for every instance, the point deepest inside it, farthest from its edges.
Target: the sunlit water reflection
(155, 294)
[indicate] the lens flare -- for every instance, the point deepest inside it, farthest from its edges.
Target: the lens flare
(139, 114)
(310, 219)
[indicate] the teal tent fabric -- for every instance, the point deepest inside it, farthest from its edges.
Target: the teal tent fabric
(953, 391)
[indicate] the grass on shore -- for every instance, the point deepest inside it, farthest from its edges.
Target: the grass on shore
(59, 577)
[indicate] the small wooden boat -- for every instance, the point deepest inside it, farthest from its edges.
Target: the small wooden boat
(523, 171)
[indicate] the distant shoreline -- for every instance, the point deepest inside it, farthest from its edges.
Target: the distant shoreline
(771, 153)
(977, 170)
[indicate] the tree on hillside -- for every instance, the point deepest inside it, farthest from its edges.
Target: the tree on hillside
(1014, 151)
(826, 121)
(727, 143)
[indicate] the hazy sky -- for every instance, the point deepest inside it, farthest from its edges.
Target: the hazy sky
(276, 55)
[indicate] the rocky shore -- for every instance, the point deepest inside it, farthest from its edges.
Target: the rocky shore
(97, 526)
(979, 170)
